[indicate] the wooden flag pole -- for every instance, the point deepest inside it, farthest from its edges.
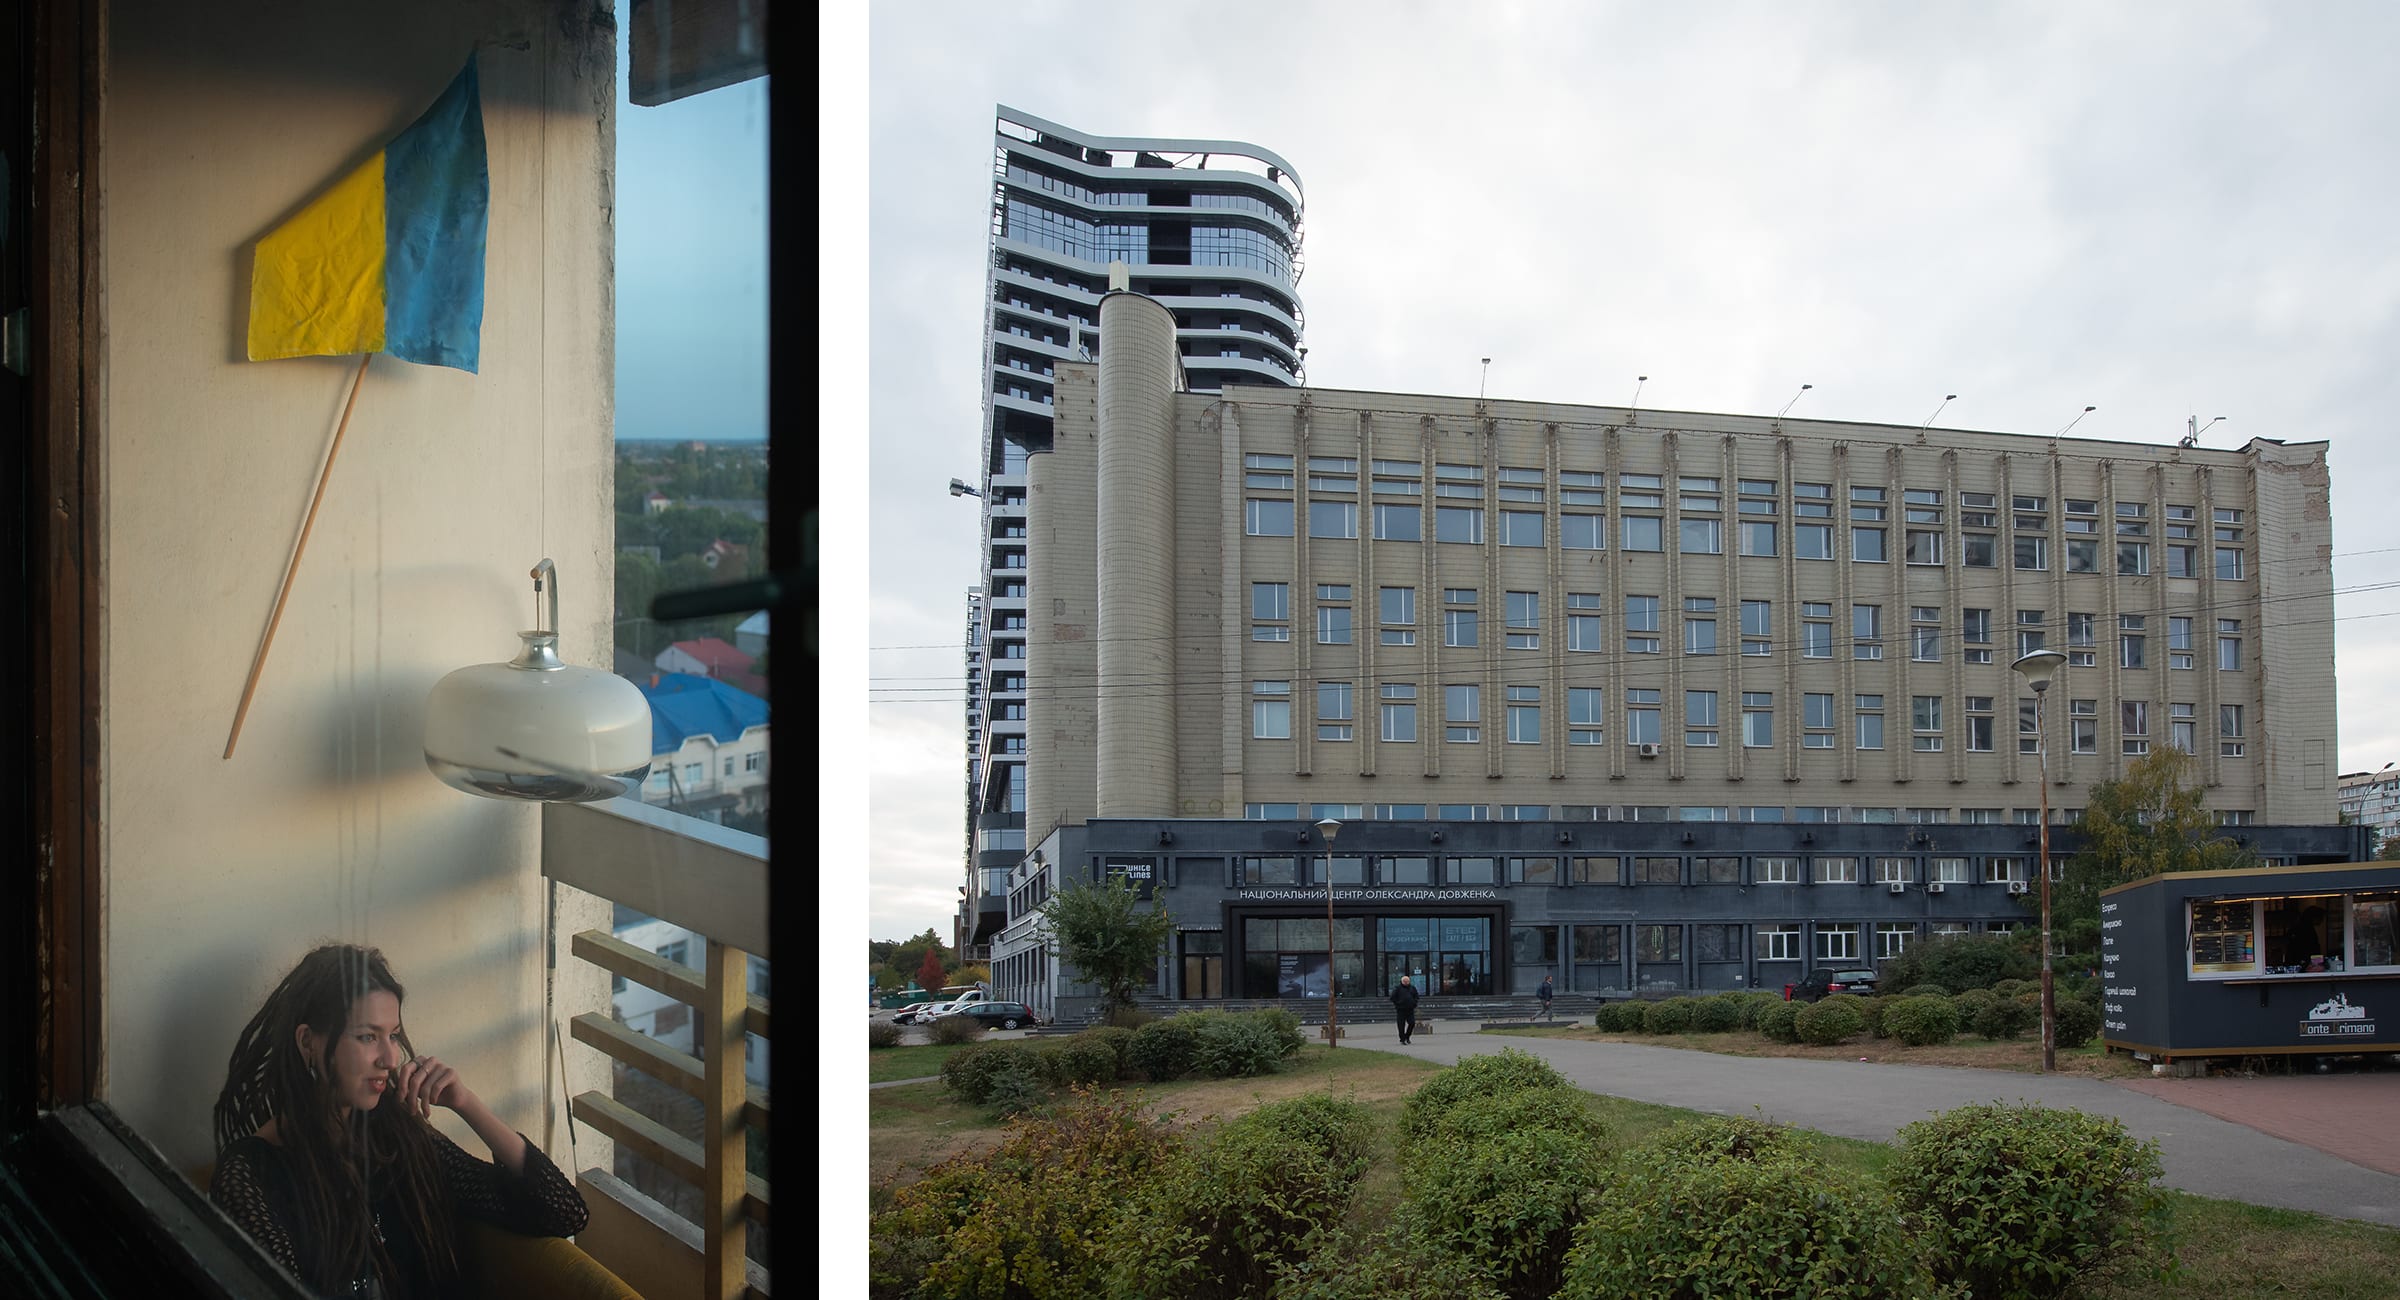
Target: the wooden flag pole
(250, 687)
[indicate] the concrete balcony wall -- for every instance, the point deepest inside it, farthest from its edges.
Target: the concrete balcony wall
(324, 824)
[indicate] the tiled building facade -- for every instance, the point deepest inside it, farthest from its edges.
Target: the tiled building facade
(1422, 611)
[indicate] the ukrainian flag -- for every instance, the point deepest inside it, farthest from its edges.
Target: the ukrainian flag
(391, 258)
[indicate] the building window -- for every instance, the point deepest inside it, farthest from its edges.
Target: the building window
(1816, 630)
(2082, 638)
(1894, 871)
(1398, 523)
(1837, 943)
(1271, 710)
(1399, 717)
(1870, 721)
(2083, 726)
(1404, 870)
(1777, 942)
(1267, 518)
(1524, 715)
(1816, 721)
(1699, 634)
(1643, 533)
(1866, 631)
(2179, 643)
(1758, 535)
(1271, 604)
(1584, 715)
(1975, 630)
(1925, 634)
(1458, 627)
(1537, 871)
(2229, 731)
(1520, 527)
(1270, 812)
(1524, 620)
(1333, 711)
(1277, 470)
(2003, 871)
(1583, 621)
(1458, 481)
(1520, 484)
(1596, 871)
(1758, 627)
(1333, 519)
(1458, 524)
(1775, 871)
(1866, 546)
(1812, 541)
(754, 762)
(2133, 722)
(2133, 558)
(1640, 490)
(1980, 724)
(1641, 717)
(1333, 621)
(1470, 871)
(1946, 871)
(1582, 532)
(2183, 725)
(1402, 476)
(2229, 645)
(1891, 938)
(1641, 625)
(2032, 552)
(1462, 812)
(1925, 723)
(2132, 642)
(1700, 718)
(2030, 634)
(1658, 943)
(1837, 871)
(1462, 709)
(1758, 719)
(1325, 473)
(1397, 608)
(1702, 536)
(1924, 546)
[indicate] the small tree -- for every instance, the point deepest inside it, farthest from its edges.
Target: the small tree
(1107, 934)
(2146, 823)
(929, 971)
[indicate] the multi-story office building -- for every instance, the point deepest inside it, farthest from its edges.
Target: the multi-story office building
(1209, 228)
(1632, 698)
(2372, 799)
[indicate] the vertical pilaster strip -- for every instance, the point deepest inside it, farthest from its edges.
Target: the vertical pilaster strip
(1844, 614)
(1233, 696)
(1729, 547)
(1898, 626)
(1366, 712)
(1304, 598)
(1670, 615)
(1612, 597)
(1137, 589)
(1554, 599)
(1954, 617)
(1430, 696)
(1495, 693)
(1787, 565)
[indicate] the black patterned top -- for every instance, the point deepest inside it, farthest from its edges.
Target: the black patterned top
(256, 1183)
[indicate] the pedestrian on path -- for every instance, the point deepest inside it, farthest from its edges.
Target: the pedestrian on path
(1404, 1001)
(1544, 993)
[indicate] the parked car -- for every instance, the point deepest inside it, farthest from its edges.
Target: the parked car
(922, 1013)
(996, 1015)
(1827, 980)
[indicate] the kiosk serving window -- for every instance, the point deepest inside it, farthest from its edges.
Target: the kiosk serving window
(2293, 935)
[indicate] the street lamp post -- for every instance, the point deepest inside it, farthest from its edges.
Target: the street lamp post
(2037, 669)
(1328, 828)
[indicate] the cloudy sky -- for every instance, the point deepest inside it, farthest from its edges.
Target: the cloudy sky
(2162, 210)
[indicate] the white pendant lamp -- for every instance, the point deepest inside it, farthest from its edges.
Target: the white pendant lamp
(537, 727)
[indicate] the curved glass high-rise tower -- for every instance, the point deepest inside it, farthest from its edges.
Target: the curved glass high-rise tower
(1211, 229)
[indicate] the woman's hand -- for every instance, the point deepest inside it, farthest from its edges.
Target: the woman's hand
(426, 1082)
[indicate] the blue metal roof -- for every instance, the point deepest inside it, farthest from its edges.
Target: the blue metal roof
(683, 705)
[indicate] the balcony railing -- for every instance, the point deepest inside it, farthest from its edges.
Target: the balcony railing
(712, 882)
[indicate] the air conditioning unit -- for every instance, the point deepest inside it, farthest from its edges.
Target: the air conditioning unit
(2018, 886)
(1899, 886)
(1647, 751)
(1934, 888)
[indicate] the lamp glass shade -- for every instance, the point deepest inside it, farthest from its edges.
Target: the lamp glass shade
(1329, 828)
(2039, 667)
(537, 728)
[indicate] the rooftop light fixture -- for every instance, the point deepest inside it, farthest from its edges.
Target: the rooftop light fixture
(538, 728)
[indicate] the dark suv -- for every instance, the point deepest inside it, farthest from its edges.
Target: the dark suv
(996, 1015)
(1826, 980)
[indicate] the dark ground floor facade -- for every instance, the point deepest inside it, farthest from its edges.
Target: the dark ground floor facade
(1481, 909)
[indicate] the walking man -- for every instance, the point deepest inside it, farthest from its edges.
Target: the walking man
(1544, 993)
(1404, 1001)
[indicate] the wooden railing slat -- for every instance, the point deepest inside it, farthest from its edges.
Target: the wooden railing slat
(646, 1136)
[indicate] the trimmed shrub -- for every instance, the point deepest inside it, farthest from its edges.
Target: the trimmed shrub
(1395, 1262)
(2017, 988)
(1668, 1016)
(1227, 1213)
(1730, 1137)
(2027, 1201)
(1080, 1061)
(1921, 1021)
(1920, 991)
(882, 1033)
(1971, 1001)
(1872, 1008)
(1780, 1021)
(969, 1072)
(1244, 1045)
(1502, 1181)
(956, 1029)
(1830, 1020)
(1753, 1002)
(2078, 1022)
(1719, 1014)
(1505, 1071)
(1018, 1087)
(1015, 1220)
(1776, 1225)
(1119, 1042)
(1164, 1049)
(1618, 1018)
(1961, 961)
(1127, 1018)
(2006, 1018)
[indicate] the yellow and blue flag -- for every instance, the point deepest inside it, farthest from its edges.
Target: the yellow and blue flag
(391, 258)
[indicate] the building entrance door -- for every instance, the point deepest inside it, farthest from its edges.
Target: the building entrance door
(1203, 965)
(1411, 964)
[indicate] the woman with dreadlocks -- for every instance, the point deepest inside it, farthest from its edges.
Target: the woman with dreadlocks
(325, 1155)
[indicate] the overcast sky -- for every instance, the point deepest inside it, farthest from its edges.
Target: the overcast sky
(2163, 210)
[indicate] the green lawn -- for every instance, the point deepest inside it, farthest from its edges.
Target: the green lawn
(887, 1063)
(2227, 1250)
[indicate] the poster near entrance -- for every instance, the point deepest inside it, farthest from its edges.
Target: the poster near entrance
(1300, 975)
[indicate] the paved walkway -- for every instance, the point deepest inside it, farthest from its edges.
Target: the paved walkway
(2201, 1152)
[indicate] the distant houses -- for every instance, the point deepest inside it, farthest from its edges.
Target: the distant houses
(751, 637)
(708, 746)
(711, 657)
